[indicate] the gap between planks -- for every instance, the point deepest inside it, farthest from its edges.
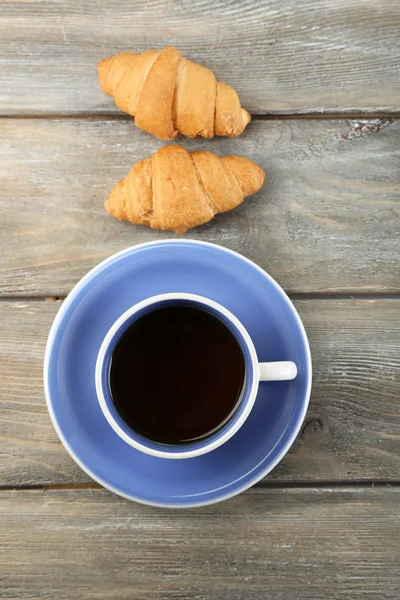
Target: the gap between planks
(395, 295)
(256, 116)
(264, 484)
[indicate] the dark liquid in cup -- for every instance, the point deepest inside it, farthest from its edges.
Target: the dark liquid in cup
(177, 374)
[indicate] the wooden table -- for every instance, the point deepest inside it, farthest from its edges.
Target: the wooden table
(322, 80)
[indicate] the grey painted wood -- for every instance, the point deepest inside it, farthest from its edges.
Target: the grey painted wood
(301, 544)
(351, 432)
(282, 56)
(327, 218)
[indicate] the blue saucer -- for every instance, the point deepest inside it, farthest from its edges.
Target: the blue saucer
(84, 319)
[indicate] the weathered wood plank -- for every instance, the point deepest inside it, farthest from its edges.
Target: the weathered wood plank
(282, 56)
(327, 218)
(266, 544)
(351, 432)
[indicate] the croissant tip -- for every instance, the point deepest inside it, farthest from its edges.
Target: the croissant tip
(246, 116)
(102, 64)
(259, 177)
(263, 177)
(102, 68)
(169, 48)
(114, 204)
(108, 205)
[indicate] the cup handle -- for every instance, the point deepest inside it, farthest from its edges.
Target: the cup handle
(277, 371)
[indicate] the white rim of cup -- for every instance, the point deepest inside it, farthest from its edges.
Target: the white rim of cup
(50, 341)
(249, 402)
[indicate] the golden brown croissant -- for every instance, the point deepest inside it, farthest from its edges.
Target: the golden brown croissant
(168, 94)
(175, 189)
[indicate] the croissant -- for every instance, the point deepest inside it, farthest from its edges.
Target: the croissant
(175, 189)
(168, 94)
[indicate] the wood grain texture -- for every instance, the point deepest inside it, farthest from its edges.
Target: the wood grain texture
(351, 432)
(265, 544)
(327, 218)
(281, 56)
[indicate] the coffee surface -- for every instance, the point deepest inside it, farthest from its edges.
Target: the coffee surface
(177, 374)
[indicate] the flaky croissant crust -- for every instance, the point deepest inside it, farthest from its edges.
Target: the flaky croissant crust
(175, 189)
(170, 95)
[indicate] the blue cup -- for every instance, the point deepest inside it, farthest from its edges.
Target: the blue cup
(255, 373)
